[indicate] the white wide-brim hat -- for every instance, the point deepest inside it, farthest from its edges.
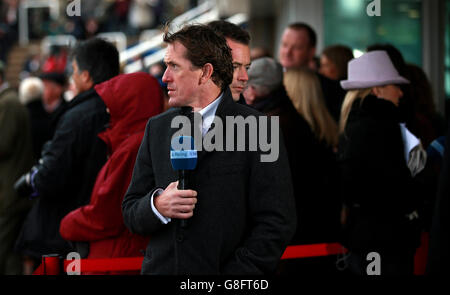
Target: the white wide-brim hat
(372, 69)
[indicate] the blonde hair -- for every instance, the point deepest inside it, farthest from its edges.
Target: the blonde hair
(303, 88)
(350, 98)
(30, 89)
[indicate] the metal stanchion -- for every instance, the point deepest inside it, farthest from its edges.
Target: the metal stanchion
(51, 264)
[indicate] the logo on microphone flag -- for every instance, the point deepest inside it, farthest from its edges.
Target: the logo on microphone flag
(182, 153)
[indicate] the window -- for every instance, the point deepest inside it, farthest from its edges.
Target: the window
(347, 22)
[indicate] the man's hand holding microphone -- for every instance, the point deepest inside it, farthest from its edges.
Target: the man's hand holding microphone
(176, 203)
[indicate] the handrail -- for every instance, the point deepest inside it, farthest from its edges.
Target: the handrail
(118, 38)
(61, 40)
(192, 13)
(157, 41)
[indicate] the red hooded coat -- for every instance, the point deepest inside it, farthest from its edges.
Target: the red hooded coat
(131, 99)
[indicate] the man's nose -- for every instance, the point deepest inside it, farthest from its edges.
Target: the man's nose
(165, 77)
(243, 75)
(288, 50)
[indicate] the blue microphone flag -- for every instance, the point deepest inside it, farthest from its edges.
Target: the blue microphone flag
(183, 155)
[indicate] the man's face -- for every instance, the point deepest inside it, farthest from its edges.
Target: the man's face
(241, 63)
(52, 92)
(181, 77)
(295, 50)
(79, 78)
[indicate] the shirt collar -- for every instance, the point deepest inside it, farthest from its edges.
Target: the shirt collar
(208, 113)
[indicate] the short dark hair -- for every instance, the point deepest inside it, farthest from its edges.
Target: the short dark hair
(230, 30)
(99, 57)
(311, 33)
(340, 55)
(204, 46)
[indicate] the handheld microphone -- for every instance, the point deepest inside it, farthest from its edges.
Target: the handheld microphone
(183, 157)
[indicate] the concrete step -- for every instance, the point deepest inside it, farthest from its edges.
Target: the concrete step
(16, 59)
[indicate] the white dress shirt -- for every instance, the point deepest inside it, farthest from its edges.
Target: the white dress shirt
(208, 113)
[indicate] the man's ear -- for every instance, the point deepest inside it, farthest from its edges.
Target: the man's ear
(87, 79)
(207, 72)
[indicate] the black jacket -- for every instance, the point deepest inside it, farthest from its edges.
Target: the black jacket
(43, 124)
(333, 94)
(314, 172)
(438, 252)
(244, 217)
(376, 183)
(66, 174)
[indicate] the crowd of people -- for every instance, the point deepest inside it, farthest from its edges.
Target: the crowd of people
(360, 158)
(132, 17)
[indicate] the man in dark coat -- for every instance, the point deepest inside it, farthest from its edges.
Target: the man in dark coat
(297, 50)
(238, 40)
(267, 94)
(64, 178)
(240, 210)
(313, 168)
(45, 106)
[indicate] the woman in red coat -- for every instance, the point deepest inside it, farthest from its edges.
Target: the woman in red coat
(131, 100)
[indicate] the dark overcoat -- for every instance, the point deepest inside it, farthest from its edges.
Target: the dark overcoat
(377, 185)
(438, 252)
(66, 174)
(314, 172)
(244, 217)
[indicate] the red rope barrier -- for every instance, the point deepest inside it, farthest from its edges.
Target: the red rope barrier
(108, 264)
(314, 250)
(135, 263)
